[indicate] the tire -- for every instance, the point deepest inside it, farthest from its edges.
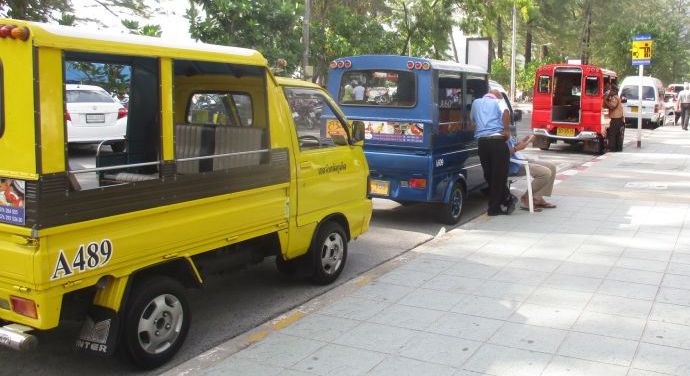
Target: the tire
(451, 212)
(329, 253)
(157, 307)
(118, 147)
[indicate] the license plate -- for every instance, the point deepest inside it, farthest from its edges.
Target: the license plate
(379, 187)
(565, 132)
(633, 109)
(95, 118)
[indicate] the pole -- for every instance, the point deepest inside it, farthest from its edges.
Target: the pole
(639, 108)
(512, 58)
(305, 37)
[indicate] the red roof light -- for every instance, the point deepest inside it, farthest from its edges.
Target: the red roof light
(410, 64)
(418, 65)
(341, 64)
(348, 63)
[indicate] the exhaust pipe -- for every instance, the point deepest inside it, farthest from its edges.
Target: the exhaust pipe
(15, 336)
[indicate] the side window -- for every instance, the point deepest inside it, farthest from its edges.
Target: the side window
(451, 111)
(544, 84)
(233, 109)
(2, 100)
(112, 119)
(592, 86)
(315, 121)
(220, 117)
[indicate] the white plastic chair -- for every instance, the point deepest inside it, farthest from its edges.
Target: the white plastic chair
(528, 175)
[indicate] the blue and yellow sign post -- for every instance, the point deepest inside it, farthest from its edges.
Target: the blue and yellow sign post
(641, 56)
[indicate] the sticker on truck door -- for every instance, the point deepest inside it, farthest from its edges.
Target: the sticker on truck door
(87, 257)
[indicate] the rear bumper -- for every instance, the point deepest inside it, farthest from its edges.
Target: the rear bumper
(582, 136)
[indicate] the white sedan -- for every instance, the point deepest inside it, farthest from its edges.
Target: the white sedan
(94, 116)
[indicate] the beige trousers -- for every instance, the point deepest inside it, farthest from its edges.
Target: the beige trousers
(543, 176)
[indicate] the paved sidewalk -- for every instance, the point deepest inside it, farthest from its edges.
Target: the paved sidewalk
(598, 286)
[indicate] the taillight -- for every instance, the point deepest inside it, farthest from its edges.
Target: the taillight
(67, 116)
(24, 307)
(417, 183)
(410, 64)
(122, 112)
(418, 65)
(341, 64)
(14, 32)
(348, 64)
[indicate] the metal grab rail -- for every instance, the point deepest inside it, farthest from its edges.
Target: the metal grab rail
(213, 156)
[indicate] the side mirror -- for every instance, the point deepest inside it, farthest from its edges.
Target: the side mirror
(357, 131)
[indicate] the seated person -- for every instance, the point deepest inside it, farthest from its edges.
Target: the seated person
(543, 175)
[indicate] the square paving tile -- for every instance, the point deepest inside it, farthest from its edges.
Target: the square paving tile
(522, 276)
(381, 291)
(565, 366)
(436, 348)
(529, 337)
(676, 281)
(646, 254)
(667, 334)
(432, 299)
(642, 264)
(505, 290)
(610, 325)
(535, 263)
(674, 296)
(340, 360)
(584, 270)
(280, 350)
(507, 361)
(552, 317)
(678, 268)
(319, 327)
(599, 348)
(376, 337)
(407, 317)
(471, 270)
(410, 278)
(615, 305)
(486, 307)
(399, 366)
(427, 265)
(636, 276)
(672, 313)
(662, 359)
(453, 283)
(640, 372)
(560, 298)
(572, 282)
(465, 326)
(354, 308)
(234, 366)
(628, 289)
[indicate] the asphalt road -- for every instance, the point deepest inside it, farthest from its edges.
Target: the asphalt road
(235, 302)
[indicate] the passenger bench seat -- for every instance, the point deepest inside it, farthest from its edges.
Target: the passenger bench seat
(234, 140)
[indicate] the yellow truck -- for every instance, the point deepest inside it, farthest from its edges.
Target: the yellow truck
(219, 163)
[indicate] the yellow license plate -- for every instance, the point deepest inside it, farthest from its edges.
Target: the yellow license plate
(633, 109)
(565, 132)
(379, 187)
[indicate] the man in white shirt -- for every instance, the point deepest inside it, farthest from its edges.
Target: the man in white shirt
(358, 91)
(684, 106)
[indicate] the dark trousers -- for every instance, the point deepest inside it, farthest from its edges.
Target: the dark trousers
(615, 134)
(494, 156)
(684, 114)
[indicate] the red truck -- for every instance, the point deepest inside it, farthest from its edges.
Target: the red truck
(568, 105)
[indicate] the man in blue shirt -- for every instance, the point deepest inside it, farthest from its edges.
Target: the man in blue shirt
(491, 129)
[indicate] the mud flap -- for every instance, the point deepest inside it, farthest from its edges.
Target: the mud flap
(100, 331)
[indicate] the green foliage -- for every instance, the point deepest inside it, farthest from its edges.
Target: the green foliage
(148, 30)
(270, 26)
(47, 10)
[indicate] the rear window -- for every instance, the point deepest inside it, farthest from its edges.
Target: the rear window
(384, 88)
(234, 109)
(630, 92)
(88, 96)
(592, 85)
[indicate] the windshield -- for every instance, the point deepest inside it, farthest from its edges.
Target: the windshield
(384, 88)
(630, 92)
(88, 96)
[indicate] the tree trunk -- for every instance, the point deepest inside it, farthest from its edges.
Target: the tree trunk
(584, 41)
(499, 37)
(528, 44)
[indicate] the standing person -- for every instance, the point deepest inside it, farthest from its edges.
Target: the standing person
(614, 133)
(358, 91)
(684, 105)
(491, 129)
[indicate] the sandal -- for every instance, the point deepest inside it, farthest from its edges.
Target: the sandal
(536, 208)
(546, 205)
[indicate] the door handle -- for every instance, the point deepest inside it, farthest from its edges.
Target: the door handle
(305, 165)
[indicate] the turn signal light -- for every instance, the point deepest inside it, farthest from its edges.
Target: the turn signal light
(68, 117)
(14, 32)
(24, 307)
(416, 183)
(122, 112)
(334, 64)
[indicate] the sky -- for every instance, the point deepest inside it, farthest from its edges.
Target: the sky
(169, 14)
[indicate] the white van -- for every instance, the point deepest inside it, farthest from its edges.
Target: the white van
(652, 104)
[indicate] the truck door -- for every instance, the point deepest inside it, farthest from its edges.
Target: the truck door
(328, 173)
